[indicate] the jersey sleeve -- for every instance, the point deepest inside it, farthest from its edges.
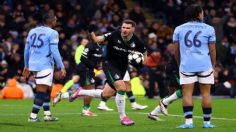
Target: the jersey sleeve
(176, 35)
(26, 51)
(142, 48)
(78, 53)
(212, 37)
(54, 39)
(86, 55)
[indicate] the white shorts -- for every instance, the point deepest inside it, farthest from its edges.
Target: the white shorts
(126, 76)
(205, 77)
(44, 77)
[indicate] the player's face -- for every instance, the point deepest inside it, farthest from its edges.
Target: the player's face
(54, 21)
(201, 16)
(126, 29)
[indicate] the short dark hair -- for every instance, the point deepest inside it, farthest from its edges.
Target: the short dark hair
(47, 16)
(128, 21)
(192, 12)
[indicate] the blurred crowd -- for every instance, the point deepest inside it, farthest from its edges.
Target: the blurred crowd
(17, 17)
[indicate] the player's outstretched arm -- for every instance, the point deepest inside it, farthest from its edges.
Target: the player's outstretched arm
(95, 38)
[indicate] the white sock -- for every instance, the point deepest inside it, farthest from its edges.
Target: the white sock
(47, 113)
(208, 122)
(156, 110)
(189, 121)
(33, 115)
(133, 103)
(120, 103)
(170, 99)
(102, 103)
(96, 93)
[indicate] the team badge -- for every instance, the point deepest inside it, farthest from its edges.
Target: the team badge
(117, 76)
(92, 80)
(119, 42)
(132, 45)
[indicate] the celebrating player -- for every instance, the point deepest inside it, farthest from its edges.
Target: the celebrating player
(115, 65)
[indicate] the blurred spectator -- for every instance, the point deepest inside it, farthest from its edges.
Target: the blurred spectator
(17, 18)
(137, 15)
(26, 88)
(12, 91)
(4, 72)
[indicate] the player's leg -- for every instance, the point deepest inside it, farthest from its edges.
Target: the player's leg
(65, 88)
(120, 102)
(134, 104)
(205, 81)
(107, 93)
(187, 81)
(41, 93)
(43, 83)
(173, 97)
(103, 105)
(87, 101)
(163, 104)
(115, 77)
(46, 107)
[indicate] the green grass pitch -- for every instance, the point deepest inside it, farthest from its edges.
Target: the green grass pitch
(14, 114)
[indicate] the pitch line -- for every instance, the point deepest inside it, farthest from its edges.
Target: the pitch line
(108, 113)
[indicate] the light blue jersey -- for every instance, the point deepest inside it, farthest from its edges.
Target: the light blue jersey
(41, 49)
(193, 39)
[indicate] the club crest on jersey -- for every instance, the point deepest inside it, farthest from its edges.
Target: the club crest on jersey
(118, 41)
(92, 80)
(116, 76)
(132, 45)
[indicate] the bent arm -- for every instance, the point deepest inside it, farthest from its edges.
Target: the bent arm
(177, 53)
(212, 50)
(97, 39)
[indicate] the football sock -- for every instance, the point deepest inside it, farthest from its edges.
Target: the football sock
(46, 104)
(120, 103)
(130, 96)
(176, 95)
(156, 110)
(188, 114)
(103, 99)
(67, 86)
(86, 107)
(38, 102)
(96, 93)
(207, 114)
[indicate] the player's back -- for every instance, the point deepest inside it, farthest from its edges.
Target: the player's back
(39, 40)
(194, 38)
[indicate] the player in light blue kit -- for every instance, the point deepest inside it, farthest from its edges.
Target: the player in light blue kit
(196, 56)
(41, 50)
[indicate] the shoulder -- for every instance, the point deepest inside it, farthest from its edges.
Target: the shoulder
(54, 32)
(180, 26)
(89, 45)
(209, 27)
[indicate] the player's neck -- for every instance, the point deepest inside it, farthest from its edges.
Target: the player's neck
(127, 38)
(47, 25)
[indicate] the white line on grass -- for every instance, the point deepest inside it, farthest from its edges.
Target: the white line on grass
(108, 113)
